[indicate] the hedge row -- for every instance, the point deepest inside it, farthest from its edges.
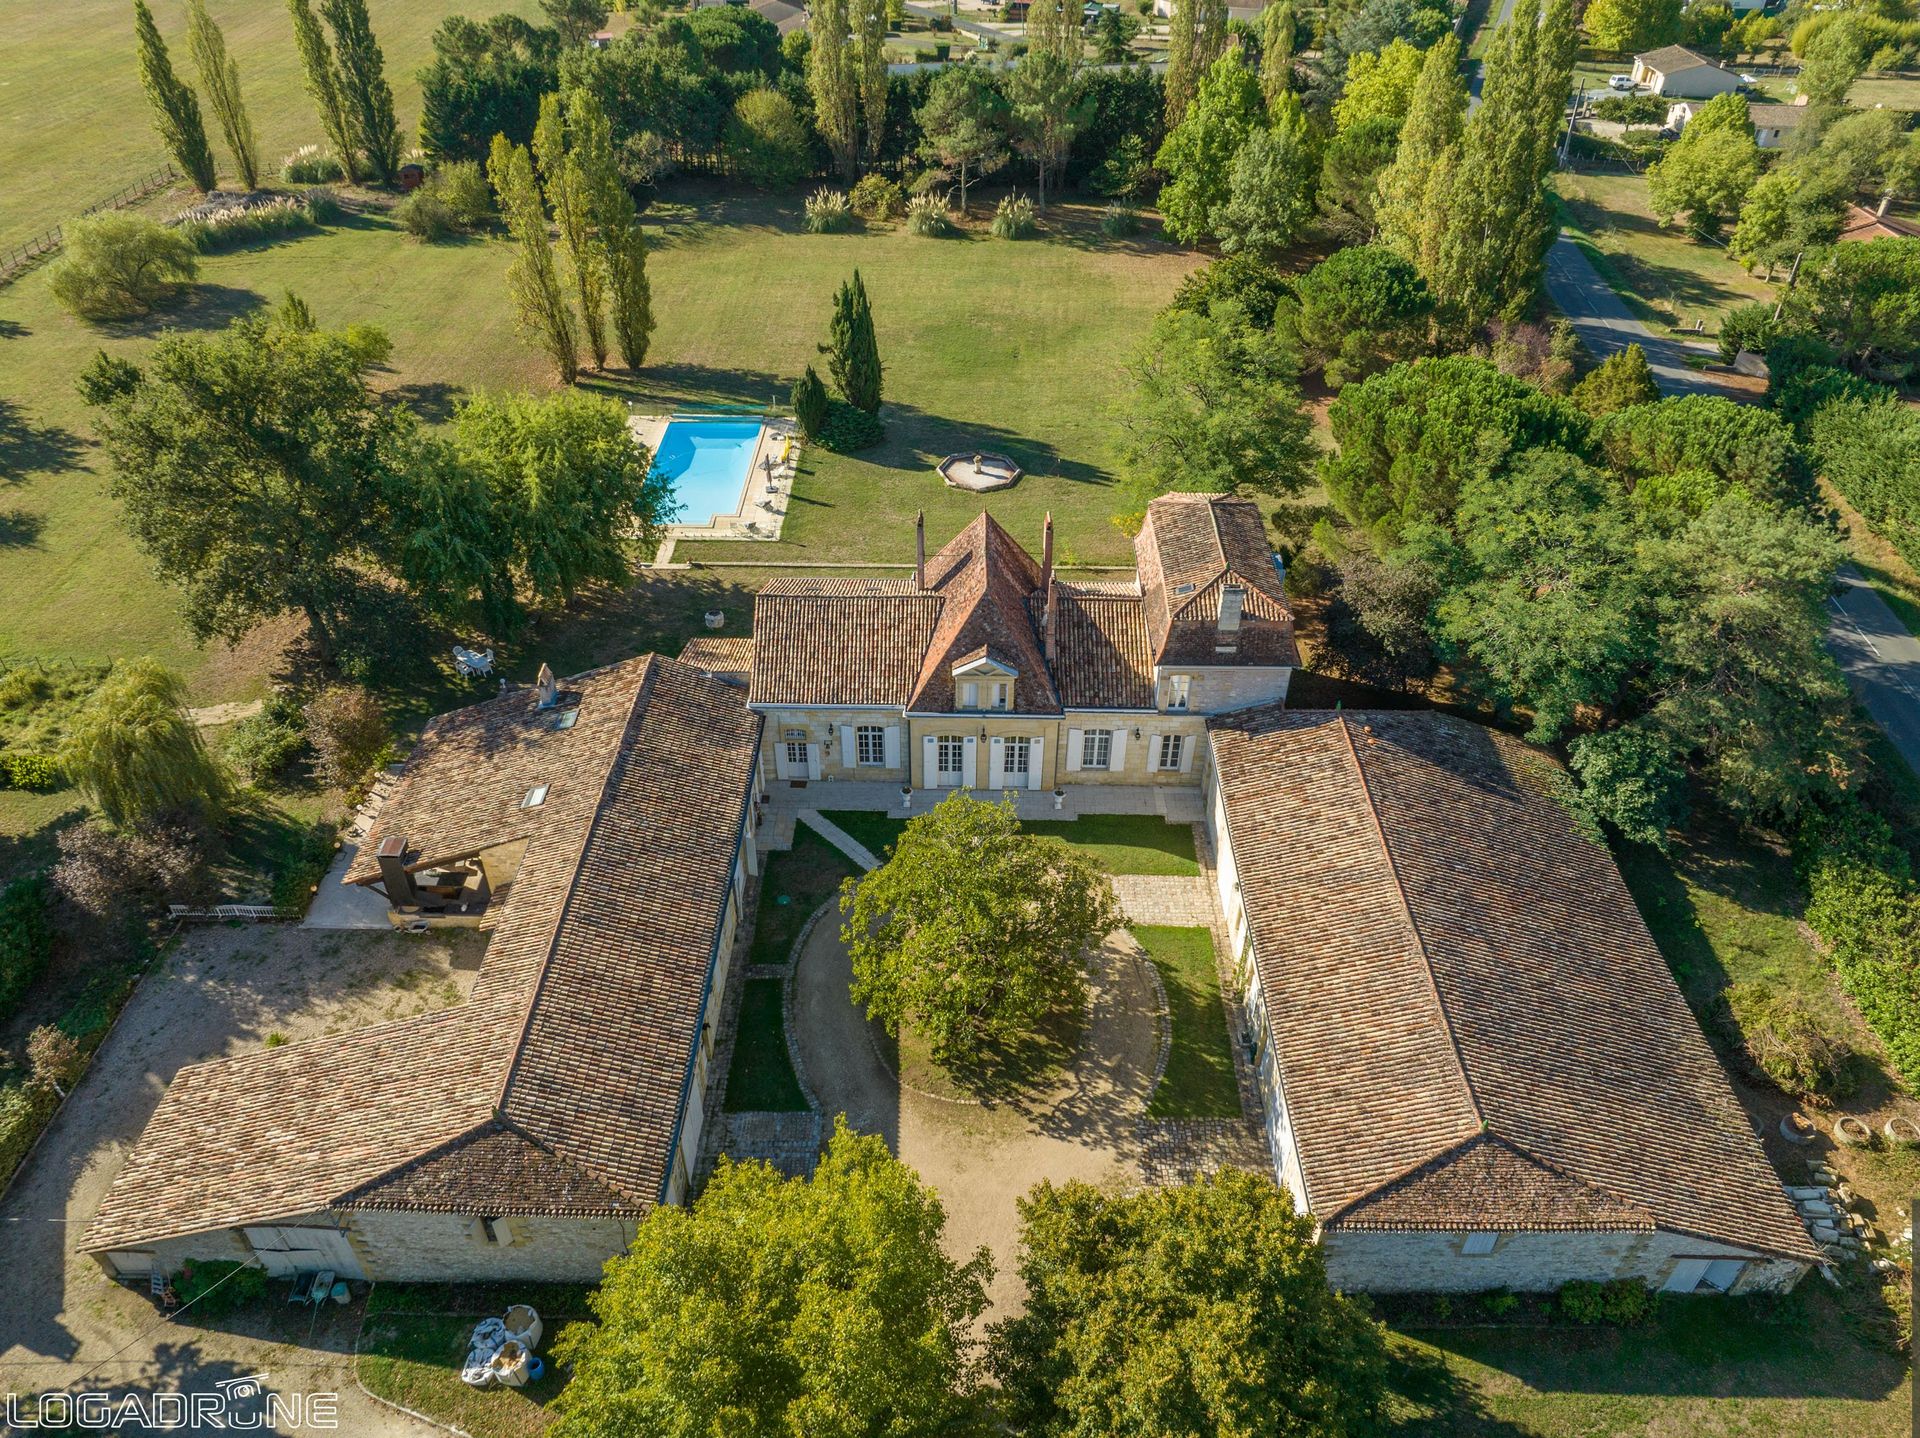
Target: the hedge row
(26, 937)
(1863, 901)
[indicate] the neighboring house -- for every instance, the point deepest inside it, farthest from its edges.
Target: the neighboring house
(1477, 1070)
(1862, 224)
(1676, 70)
(604, 827)
(786, 18)
(1771, 123)
(986, 670)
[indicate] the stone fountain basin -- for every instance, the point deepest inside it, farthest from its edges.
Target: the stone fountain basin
(979, 471)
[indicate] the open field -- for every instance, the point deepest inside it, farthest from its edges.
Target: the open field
(77, 122)
(1666, 276)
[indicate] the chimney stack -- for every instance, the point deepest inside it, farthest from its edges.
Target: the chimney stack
(1046, 553)
(1050, 615)
(392, 858)
(920, 550)
(546, 689)
(1233, 599)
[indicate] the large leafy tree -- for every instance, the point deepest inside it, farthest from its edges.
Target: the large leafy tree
(1633, 24)
(1787, 212)
(361, 80)
(570, 200)
(1351, 169)
(1271, 190)
(1412, 437)
(533, 279)
(1422, 166)
(1202, 1309)
(220, 77)
(176, 110)
(1742, 446)
(1277, 42)
(847, 77)
(484, 80)
(619, 242)
(115, 266)
(1358, 311)
(1708, 171)
(1048, 89)
(1214, 407)
(1379, 84)
(973, 931)
(963, 124)
(255, 468)
(852, 349)
(773, 1306)
(1834, 59)
(1199, 154)
(137, 754)
(323, 84)
(575, 21)
(1864, 301)
(1196, 39)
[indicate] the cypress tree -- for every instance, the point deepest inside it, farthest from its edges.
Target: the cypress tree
(810, 403)
(853, 354)
(571, 201)
(176, 112)
(533, 279)
(221, 77)
(1431, 132)
(621, 243)
(316, 58)
(1276, 51)
(870, 37)
(362, 82)
(833, 84)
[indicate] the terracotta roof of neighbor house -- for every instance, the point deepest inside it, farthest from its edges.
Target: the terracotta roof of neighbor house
(1671, 58)
(1103, 658)
(840, 641)
(557, 1086)
(1193, 546)
(725, 658)
(1862, 225)
(983, 577)
(1473, 1025)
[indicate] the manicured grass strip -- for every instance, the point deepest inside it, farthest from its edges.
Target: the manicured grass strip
(797, 881)
(1125, 843)
(761, 1077)
(414, 1360)
(1199, 1082)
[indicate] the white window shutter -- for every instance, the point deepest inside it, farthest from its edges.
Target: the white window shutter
(813, 761)
(1036, 760)
(930, 762)
(1076, 738)
(1187, 746)
(849, 756)
(996, 762)
(1117, 759)
(969, 775)
(1153, 753)
(780, 759)
(891, 740)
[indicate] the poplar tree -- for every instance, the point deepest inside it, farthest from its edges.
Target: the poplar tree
(316, 58)
(1427, 140)
(853, 353)
(622, 243)
(221, 77)
(533, 278)
(1496, 225)
(570, 199)
(870, 36)
(176, 112)
(1196, 37)
(1276, 51)
(833, 83)
(362, 83)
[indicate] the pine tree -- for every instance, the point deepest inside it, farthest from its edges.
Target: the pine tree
(1621, 381)
(832, 82)
(1047, 86)
(853, 354)
(1431, 131)
(570, 200)
(176, 112)
(360, 76)
(533, 278)
(220, 75)
(316, 58)
(1196, 37)
(617, 234)
(1496, 225)
(810, 403)
(1276, 51)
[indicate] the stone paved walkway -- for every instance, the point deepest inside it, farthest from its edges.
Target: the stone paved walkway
(839, 838)
(1182, 901)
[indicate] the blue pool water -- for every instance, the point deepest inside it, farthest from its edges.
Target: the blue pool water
(708, 461)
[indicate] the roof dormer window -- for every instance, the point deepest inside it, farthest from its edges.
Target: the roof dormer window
(566, 718)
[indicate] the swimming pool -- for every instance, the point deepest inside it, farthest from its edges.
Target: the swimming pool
(708, 461)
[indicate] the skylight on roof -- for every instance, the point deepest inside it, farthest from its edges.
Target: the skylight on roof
(536, 796)
(1185, 588)
(566, 718)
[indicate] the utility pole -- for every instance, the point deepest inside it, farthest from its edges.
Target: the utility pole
(1566, 142)
(1792, 275)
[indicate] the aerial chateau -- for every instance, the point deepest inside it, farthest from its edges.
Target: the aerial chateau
(1474, 1068)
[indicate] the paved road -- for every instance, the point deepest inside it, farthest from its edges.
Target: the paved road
(1606, 325)
(1480, 66)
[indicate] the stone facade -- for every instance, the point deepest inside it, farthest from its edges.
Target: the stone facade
(1402, 1261)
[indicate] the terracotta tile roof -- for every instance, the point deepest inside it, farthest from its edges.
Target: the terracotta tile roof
(558, 1084)
(1444, 957)
(839, 641)
(1190, 548)
(1102, 656)
(730, 659)
(984, 578)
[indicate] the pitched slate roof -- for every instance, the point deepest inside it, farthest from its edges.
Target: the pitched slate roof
(557, 1086)
(1669, 59)
(1193, 546)
(1473, 1025)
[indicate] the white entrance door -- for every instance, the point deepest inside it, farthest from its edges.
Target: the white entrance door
(950, 761)
(284, 1252)
(798, 759)
(1017, 767)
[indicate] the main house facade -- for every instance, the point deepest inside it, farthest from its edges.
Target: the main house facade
(988, 671)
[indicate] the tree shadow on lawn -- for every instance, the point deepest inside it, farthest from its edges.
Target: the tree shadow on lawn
(30, 448)
(432, 400)
(20, 529)
(203, 306)
(1427, 1399)
(660, 389)
(1022, 1071)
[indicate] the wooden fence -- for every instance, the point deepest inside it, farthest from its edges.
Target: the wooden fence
(22, 257)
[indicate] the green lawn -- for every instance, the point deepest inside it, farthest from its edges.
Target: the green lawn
(1704, 1368)
(78, 126)
(761, 1077)
(795, 883)
(1667, 277)
(1199, 1082)
(414, 1359)
(1125, 843)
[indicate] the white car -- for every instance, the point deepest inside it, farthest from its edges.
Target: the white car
(1619, 82)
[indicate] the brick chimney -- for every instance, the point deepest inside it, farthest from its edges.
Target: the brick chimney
(920, 550)
(392, 858)
(546, 689)
(1050, 616)
(1233, 600)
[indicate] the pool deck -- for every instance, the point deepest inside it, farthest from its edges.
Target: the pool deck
(763, 505)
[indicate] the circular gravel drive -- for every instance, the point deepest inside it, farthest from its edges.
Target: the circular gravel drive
(981, 1158)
